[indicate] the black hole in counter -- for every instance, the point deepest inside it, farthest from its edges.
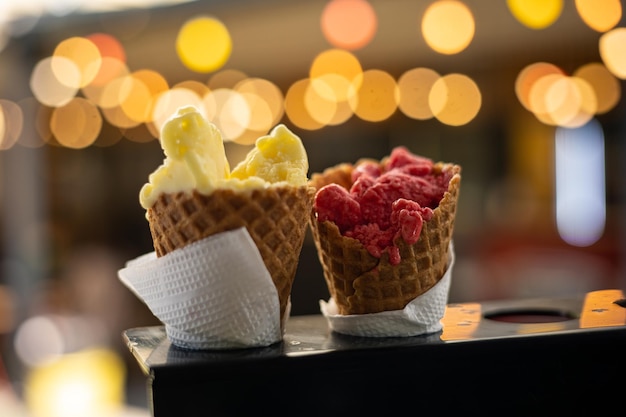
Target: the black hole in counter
(529, 316)
(621, 302)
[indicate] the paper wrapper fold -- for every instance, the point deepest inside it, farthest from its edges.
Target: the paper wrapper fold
(215, 293)
(421, 315)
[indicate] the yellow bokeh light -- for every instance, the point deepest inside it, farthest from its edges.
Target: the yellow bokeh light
(116, 92)
(414, 86)
(260, 117)
(45, 85)
(605, 86)
(85, 383)
(588, 104)
(340, 70)
(600, 15)
(536, 14)
(319, 102)
(455, 99)
(142, 106)
(296, 109)
(448, 26)
(229, 111)
(377, 96)
(111, 69)
(203, 44)
(137, 104)
(613, 51)
(269, 93)
(11, 123)
(560, 100)
(537, 97)
(527, 78)
(570, 102)
(77, 124)
(349, 24)
(265, 101)
(84, 54)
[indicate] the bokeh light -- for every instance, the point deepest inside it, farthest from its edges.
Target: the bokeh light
(562, 100)
(229, 111)
(168, 102)
(98, 91)
(349, 24)
(203, 44)
(536, 14)
(77, 124)
(295, 107)
(45, 85)
(605, 86)
(145, 86)
(527, 78)
(377, 96)
(11, 123)
(84, 54)
(265, 101)
(319, 101)
(580, 193)
(414, 86)
(84, 383)
(340, 72)
(448, 26)
(613, 51)
(108, 45)
(570, 102)
(455, 99)
(537, 98)
(38, 341)
(600, 15)
(137, 103)
(269, 93)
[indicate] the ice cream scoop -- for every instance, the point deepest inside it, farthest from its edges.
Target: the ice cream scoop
(386, 201)
(195, 160)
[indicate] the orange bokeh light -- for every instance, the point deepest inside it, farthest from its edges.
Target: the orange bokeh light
(349, 24)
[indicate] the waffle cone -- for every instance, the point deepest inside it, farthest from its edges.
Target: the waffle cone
(361, 283)
(275, 217)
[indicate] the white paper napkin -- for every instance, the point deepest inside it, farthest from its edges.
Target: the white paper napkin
(421, 316)
(212, 294)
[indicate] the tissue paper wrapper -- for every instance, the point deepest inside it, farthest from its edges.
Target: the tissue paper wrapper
(420, 316)
(215, 293)
(276, 218)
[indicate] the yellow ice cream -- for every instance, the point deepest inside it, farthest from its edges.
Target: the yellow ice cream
(196, 160)
(277, 157)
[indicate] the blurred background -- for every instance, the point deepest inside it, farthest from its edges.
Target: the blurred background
(526, 95)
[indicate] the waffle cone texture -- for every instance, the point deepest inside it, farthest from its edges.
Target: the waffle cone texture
(360, 283)
(276, 218)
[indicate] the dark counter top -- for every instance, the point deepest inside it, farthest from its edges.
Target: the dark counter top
(528, 354)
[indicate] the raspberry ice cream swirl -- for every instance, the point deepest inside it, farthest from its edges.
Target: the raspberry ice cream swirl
(385, 202)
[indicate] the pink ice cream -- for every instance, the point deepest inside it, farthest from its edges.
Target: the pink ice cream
(386, 201)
